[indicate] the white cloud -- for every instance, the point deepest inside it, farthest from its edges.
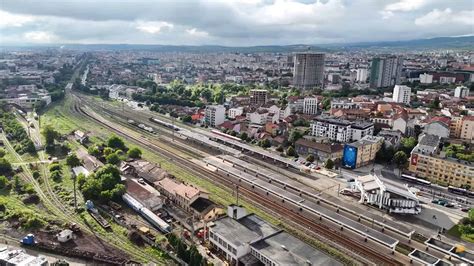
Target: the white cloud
(290, 12)
(14, 20)
(196, 32)
(446, 17)
(39, 37)
(153, 27)
(405, 5)
(386, 14)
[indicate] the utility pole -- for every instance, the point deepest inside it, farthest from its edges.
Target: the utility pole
(75, 197)
(237, 194)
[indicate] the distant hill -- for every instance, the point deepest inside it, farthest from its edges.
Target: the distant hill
(465, 42)
(433, 43)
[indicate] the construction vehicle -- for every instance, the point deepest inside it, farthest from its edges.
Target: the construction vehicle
(145, 231)
(75, 228)
(28, 240)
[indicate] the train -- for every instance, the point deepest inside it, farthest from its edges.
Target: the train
(461, 191)
(413, 179)
(147, 214)
(141, 126)
(165, 124)
(217, 132)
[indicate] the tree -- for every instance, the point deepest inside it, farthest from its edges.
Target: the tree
(134, 153)
(265, 143)
(408, 144)
(244, 136)
(50, 135)
(5, 167)
(56, 176)
(310, 158)
(400, 159)
(103, 185)
(72, 160)
(385, 154)
(187, 119)
(113, 158)
(2, 152)
(17, 183)
(326, 103)
(294, 136)
(94, 151)
(36, 174)
(329, 164)
(54, 167)
(279, 148)
(115, 142)
(291, 151)
(435, 103)
(3, 182)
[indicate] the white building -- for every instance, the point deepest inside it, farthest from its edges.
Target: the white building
(214, 115)
(310, 105)
(426, 78)
(361, 75)
(387, 196)
(246, 239)
(341, 130)
(401, 94)
(234, 112)
(461, 92)
(258, 117)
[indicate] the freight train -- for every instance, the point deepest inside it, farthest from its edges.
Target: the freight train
(165, 124)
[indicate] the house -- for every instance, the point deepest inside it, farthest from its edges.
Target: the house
(181, 194)
(149, 171)
(81, 137)
(148, 196)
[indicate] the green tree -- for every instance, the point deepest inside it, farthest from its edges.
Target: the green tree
(93, 150)
(326, 103)
(72, 160)
(187, 119)
(134, 153)
(310, 158)
(329, 164)
(17, 183)
(291, 151)
(295, 135)
(113, 158)
(54, 167)
(115, 142)
(244, 136)
(265, 143)
(2, 152)
(400, 159)
(408, 144)
(56, 176)
(3, 182)
(5, 167)
(36, 174)
(50, 135)
(279, 148)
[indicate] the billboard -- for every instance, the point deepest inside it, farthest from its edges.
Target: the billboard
(349, 157)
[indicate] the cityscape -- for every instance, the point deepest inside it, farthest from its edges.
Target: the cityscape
(237, 133)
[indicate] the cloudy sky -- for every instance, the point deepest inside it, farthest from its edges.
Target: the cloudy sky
(231, 22)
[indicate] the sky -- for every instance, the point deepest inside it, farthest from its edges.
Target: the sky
(230, 22)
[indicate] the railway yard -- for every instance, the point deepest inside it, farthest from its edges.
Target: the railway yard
(225, 165)
(326, 221)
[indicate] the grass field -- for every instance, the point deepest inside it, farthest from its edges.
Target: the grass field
(454, 231)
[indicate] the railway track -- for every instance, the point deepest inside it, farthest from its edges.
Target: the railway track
(57, 207)
(351, 244)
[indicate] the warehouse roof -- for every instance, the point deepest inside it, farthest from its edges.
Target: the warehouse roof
(285, 249)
